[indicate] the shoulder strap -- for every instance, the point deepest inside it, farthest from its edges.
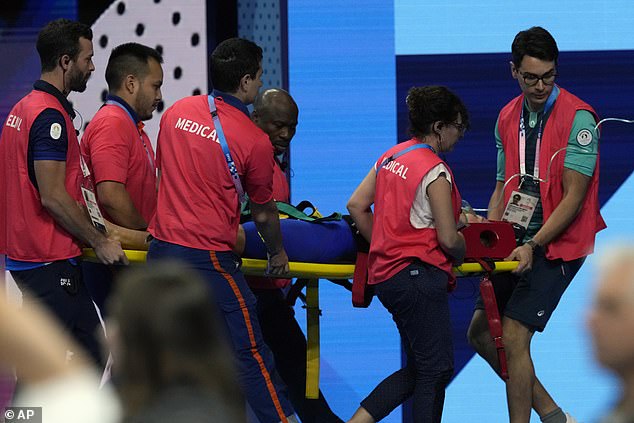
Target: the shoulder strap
(402, 152)
(233, 171)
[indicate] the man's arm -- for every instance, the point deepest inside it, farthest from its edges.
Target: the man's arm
(116, 201)
(496, 203)
(575, 187)
(360, 202)
(50, 176)
(266, 219)
(130, 239)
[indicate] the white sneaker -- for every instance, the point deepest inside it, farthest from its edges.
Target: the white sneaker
(570, 419)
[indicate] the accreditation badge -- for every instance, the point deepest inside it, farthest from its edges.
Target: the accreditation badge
(519, 210)
(93, 209)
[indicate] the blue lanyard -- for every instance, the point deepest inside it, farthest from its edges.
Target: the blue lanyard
(225, 149)
(402, 152)
(522, 136)
(147, 150)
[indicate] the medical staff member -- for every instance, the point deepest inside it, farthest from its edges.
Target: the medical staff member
(548, 150)
(43, 228)
(414, 242)
(118, 151)
(198, 209)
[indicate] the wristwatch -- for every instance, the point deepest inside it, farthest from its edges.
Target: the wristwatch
(531, 242)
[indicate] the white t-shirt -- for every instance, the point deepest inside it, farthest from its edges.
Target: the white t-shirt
(420, 214)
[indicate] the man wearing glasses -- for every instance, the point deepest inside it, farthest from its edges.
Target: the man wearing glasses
(548, 148)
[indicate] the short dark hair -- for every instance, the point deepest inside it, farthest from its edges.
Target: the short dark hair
(431, 104)
(60, 37)
(535, 42)
(231, 60)
(129, 58)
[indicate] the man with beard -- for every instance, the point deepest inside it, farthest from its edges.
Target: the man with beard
(118, 152)
(42, 227)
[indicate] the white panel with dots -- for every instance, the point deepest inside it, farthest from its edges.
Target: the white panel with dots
(178, 30)
(259, 21)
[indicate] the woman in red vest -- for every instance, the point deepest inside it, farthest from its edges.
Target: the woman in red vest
(414, 242)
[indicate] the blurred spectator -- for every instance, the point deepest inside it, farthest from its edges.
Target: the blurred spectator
(171, 363)
(67, 391)
(611, 323)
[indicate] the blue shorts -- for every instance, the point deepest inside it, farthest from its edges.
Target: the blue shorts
(263, 388)
(531, 297)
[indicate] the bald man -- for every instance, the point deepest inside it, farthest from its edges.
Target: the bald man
(276, 113)
(611, 323)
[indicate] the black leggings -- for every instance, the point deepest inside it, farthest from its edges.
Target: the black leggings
(418, 301)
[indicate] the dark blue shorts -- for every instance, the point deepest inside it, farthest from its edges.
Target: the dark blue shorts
(531, 297)
(60, 287)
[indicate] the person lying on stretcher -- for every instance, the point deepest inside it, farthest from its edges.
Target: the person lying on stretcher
(321, 241)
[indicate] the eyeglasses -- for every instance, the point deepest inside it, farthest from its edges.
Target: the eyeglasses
(459, 126)
(531, 79)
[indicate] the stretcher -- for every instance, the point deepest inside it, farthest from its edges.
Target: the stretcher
(313, 272)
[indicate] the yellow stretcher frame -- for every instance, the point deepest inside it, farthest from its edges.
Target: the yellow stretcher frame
(313, 272)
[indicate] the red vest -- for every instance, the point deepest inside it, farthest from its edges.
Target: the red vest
(578, 238)
(30, 232)
(395, 242)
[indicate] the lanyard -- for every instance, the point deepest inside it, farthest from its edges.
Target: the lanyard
(225, 149)
(147, 150)
(402, 152)
(522, 137)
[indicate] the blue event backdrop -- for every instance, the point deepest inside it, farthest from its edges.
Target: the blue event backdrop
(350, 66)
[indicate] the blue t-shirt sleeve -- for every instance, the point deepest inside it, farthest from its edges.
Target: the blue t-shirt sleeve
(48, 139)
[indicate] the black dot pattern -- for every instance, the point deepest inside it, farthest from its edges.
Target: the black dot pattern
(195, 39)
(151, 26)
(260, 22)
(176, 18)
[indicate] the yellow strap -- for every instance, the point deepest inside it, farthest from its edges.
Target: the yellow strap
(312, 339)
